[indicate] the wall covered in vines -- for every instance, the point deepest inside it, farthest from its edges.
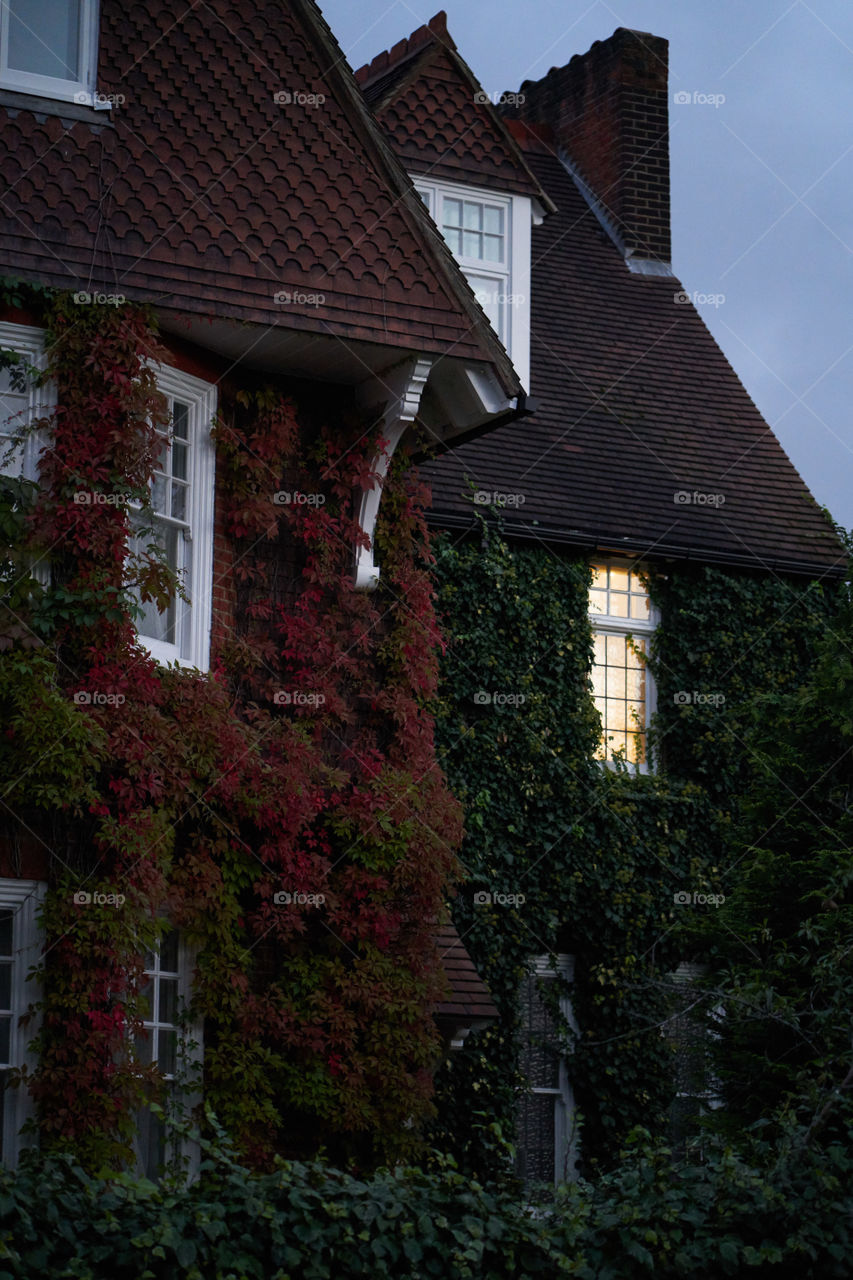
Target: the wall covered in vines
(199, 797)
(597, 855)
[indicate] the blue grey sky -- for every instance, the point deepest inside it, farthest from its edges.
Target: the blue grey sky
(762, 184)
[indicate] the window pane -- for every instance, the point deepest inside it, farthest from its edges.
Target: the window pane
(179, 501)
(168, 1000)
(536, 1137)
(179, 460)
(618, 579)
(13, 416)
(473, 215)
(453, 213)
(6, 985)
(6, 921)
(493, 220)
(493, 251)
(618, 605)
(167, 1052)
(472, 244)
(44, 37)
(180, 420)
(169, 952)
(454, 241)
(142, 1044)
(5, 1040)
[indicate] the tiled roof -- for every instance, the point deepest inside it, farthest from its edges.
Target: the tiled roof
(439, 119)
(468, 998)
(204, 194)
(640, 421)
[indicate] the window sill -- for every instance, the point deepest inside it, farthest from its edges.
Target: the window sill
(14, 100)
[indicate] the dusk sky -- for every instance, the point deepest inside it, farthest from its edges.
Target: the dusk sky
(761, 182)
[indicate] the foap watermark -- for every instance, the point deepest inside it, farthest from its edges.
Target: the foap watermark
(482, 698)
(297, 698)
(682, 898)
(687, 498)
(698, 99)
(93, 698)
(500, 99)
(698, 299)
(91, 498)
(484, 899)
(85, 299)
(100, 101)
(298, 298)
(495, 498)
(298, 98)
(695, 699)
(292, 497)
(286, 899)
(97, 899)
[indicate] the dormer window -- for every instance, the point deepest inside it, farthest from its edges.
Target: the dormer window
(489, 236)
(49, 48)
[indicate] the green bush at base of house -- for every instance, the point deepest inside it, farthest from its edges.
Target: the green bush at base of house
(312, 1222)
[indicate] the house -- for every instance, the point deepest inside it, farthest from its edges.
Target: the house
(640, 455)
(222, 170)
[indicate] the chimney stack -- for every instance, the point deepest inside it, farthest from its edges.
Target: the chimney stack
(609, 111)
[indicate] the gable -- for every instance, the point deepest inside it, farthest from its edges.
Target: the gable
(439, 119)
(203, 193)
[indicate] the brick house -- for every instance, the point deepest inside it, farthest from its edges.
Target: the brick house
(641, 451)
(223, 169)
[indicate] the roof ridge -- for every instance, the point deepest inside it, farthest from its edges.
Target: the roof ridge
(432, 32)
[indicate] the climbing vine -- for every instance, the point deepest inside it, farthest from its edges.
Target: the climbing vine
(585, 860)
(285, 812)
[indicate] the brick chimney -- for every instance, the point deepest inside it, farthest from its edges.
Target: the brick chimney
(609, 112)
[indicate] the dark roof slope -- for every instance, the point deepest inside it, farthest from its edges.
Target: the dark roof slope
(643, 438)
(468, 998)
(438, 117)
(203, 193)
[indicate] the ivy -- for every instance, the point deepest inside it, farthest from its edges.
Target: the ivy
(201, 797)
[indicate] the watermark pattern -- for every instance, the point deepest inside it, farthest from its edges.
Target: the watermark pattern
(684, 899)
(686, 498)
(482, 698)
(298, 298)
(87, 698)
(297, 698)
(292, 497)
(686, 699)
(698, 98)
(698, 299)
(286, 899)
(484, 899)
(298, 98)
(92, 498)
(500, 99)
(85, 299)
(84, 899)
(100, 101)
(495, 498)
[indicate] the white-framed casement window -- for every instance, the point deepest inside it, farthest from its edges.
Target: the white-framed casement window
(174, 1047)
(182, 517)
(546, 1149)
(21, 401)
(623, 620)
(489, 235)
(20, 951)
(50, 48)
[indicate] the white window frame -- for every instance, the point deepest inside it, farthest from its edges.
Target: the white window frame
(641, 628)
(513, 276)
(195, 618)
(189, 1051)
(23, 897)
(28, 342)
(542, 968)
(81, 90)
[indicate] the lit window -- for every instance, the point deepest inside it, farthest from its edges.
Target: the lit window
(49, 47)
(20, 949)
(169, 1045)
(182, 518)
(622, 620)
(546, 1147)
